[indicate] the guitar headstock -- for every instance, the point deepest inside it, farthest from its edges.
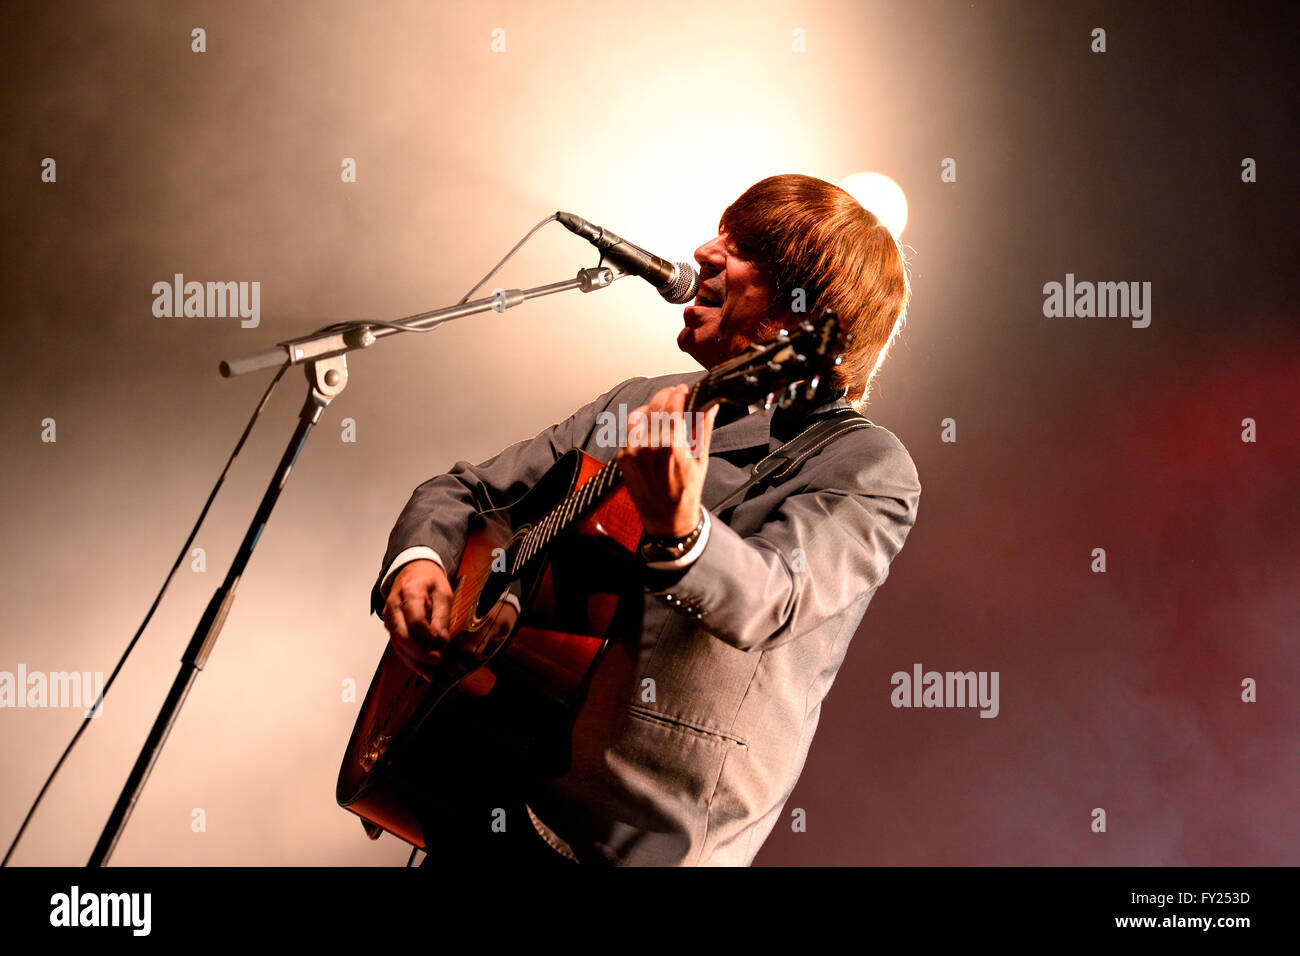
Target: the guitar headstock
(780, 372)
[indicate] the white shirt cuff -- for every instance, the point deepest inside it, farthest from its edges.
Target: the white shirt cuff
(421, 552)
(406, 557)
(687, 559)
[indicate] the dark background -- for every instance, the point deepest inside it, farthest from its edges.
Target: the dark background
(1118, 690)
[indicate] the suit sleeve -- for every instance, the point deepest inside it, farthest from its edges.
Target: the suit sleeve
(819, 553)
(437, 515)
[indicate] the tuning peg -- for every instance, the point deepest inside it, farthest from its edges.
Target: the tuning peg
(791, 395)
(806, 326)
(838, 360)
(800, 358)
(783, 334)
(769, 402)
(751, 379)
(848, 337)
(773, 366)
(812, 386)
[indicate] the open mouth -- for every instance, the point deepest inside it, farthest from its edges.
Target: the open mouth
(696, 314)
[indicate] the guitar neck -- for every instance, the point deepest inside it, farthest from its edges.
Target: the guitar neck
(577, 503)
(568, 512)
(762, 370)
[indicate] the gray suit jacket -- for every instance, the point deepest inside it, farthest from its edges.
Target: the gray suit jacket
(691, 741)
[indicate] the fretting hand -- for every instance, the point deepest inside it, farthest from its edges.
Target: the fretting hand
(663, 470)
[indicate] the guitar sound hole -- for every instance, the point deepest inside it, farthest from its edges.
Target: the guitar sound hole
(492, 592)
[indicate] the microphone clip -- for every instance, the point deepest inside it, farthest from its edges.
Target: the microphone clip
(598, 277)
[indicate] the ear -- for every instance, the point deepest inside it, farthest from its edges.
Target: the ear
(779, 316)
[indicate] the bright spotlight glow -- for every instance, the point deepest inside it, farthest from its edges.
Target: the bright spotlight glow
(880, 195)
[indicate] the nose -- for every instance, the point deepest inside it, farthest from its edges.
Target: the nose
(712, 253)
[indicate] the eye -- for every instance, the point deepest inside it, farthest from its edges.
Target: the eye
(734, 248)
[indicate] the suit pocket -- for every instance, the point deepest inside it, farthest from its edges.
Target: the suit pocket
(669, 771)
(686, 727)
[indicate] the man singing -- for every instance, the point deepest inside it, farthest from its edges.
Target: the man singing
(691, 739)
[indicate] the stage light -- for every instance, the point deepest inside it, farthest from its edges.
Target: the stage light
(882, 196)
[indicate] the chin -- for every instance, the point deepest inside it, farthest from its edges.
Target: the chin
(686, 342)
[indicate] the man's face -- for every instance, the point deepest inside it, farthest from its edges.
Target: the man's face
(730, 311)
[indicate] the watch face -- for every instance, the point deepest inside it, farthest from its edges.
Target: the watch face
(656, 552)
(669, 549)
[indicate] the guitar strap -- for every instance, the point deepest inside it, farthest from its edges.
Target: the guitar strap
(782, 463)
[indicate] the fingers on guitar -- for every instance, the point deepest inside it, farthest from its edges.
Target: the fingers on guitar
(414, 639)
(395, 618)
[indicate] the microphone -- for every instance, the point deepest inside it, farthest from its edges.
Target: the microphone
(676, 282)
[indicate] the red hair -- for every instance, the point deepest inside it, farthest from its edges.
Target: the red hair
(813, 236)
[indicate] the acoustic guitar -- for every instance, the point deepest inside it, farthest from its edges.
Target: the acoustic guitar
(543, 586)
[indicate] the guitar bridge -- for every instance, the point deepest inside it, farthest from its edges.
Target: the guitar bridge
(378, 747)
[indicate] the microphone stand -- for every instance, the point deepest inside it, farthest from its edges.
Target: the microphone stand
(323, 355)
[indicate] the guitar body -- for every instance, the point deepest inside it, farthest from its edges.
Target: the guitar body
(497, 712)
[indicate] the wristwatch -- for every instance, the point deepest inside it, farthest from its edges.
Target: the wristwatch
(669, 549)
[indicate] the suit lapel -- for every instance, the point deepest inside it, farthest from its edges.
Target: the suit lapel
(758, 429)
(742, 433)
